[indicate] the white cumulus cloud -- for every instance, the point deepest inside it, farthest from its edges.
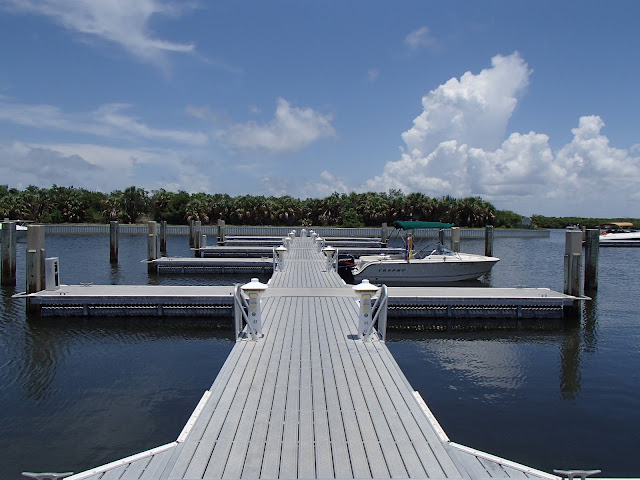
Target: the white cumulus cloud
(457, 146)
(291, 129)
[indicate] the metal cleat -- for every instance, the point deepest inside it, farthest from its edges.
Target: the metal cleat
(46, 476)
(571, 474)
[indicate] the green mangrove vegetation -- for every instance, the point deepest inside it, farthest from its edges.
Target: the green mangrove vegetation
(136, 205)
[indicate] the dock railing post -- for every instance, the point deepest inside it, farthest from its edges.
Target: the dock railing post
(280, 254)
(488, 241)
(371, 315)
(591, 252)
(572, 262)
(249, 308)
(8, 253)
(163, 237)
(114, 233)
(455, 239)
(329, 251)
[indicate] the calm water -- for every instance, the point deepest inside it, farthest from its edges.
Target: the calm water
(76, 394)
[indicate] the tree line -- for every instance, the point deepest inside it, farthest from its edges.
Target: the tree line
(137, 205)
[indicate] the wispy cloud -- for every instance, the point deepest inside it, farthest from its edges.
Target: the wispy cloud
(291, 129)
(107, 121)
(420, 38)
(122, 22)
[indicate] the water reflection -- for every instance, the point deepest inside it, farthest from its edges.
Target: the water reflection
(47, 342)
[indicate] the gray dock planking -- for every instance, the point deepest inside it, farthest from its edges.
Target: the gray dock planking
(310, 400)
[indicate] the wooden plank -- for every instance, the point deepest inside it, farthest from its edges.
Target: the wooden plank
(321, 432)
(344, 326)
(254, 407)
(360, 463)
(242, 411)
(339, 449)
(289, 453)
(256, 448)
(306, 444)
(273, 445)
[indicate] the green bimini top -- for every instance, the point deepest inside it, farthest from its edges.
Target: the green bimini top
(417, 224)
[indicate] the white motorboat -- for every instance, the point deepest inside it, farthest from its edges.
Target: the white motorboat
(441, 265)
(619, 233)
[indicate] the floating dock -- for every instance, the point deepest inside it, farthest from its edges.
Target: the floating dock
(310, 399)
(217, 301)
(253, 251)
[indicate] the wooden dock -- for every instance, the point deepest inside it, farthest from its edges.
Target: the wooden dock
(310, 399)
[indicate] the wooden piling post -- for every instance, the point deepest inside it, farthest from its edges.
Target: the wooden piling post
(488, 241)
(152, 253)
(455, 239)
(221, 237)
(591, 251)
(384, 234)
(8, 253)
(572, 262)
(197, 237)
(441, 236)
(163, 237)
(114, 235)
(34, 263)
(191, 235)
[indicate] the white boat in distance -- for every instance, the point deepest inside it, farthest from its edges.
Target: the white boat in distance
(21, 229)
(618, 233)
(441, 265)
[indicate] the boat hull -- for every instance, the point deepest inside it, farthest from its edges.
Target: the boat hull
(443, 269)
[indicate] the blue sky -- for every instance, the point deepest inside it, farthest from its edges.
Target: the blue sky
(533, 106)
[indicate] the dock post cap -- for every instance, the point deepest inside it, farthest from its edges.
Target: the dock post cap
(365, 287)
(254, 286)
(329, 250)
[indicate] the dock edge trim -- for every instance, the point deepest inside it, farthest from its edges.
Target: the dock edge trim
(432, 419)
(505, 462)
(194, 416)
(123, 461)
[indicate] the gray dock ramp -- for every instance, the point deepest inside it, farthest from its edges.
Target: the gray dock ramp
(311, 400)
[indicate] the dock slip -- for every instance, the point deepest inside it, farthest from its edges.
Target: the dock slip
(309, 398)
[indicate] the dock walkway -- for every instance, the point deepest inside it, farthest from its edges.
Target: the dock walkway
(310, 400)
